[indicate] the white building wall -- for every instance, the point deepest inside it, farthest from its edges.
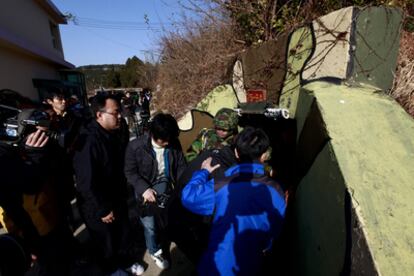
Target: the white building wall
(27, 20)
(17, 72)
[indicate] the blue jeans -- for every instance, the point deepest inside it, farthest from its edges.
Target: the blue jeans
(150, 233)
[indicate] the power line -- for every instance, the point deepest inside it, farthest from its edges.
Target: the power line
(146, 52)
(119, 25)
(115, 22)
(113, 41)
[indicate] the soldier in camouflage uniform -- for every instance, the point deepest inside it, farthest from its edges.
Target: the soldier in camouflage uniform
(225, 128)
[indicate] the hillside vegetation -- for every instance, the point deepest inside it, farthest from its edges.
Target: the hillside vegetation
(134, 73)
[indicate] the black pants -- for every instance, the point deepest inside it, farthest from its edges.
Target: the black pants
(111, 241)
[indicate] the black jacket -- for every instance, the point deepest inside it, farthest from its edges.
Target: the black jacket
(224, 156)
(98, 163)
(141, 166)
(21, 175)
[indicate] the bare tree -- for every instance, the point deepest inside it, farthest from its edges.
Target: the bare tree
(194, 59)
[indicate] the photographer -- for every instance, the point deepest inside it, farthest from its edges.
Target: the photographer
(65, 126)
(153, 163)
(23, 170)
(28, 189)
(64, 122)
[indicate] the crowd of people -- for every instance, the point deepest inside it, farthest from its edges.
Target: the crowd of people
(215, 200)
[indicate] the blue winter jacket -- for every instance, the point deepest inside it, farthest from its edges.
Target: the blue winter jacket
(248, 210)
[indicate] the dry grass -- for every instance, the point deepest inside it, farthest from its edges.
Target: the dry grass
(403, 89)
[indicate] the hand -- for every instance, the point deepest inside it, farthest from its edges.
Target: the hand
(108, 218)
(207, 165)
(33, 259)
(149, 195)
(37, 139)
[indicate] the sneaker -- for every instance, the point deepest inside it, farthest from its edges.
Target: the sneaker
(136, 269)
(159, 260)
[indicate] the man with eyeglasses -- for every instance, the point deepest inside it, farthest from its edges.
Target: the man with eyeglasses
(225, 128)
(101, 185)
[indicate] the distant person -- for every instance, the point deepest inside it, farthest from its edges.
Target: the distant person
(248, 208)
(74, 105)
(128, 107)
(153, 164)
(128, 103)
(101, 185)
(225, 128)
(145, 100)
(142, 111)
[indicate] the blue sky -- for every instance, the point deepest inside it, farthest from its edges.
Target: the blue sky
(110, 31)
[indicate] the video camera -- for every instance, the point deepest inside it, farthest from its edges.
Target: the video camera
(24, 122)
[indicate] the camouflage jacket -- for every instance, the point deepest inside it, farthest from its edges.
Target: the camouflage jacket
(206, 139)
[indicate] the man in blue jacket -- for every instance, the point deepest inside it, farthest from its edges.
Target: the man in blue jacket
(247, 208)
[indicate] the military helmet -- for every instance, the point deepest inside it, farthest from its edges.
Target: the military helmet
(226, 118)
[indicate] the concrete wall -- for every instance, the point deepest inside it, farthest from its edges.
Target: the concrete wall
(377, 40)
(27, 20)
(362, 147)
(320, 218)
(219, 97)
(17, 71)
(300, 47)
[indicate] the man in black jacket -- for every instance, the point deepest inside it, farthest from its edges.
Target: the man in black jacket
(153, 163)
(64, 128)
(22, 176)
(101, 185)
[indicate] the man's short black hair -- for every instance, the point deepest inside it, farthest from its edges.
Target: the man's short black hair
(164, 127)
(54, 93)
(98, 102)
(251, 143)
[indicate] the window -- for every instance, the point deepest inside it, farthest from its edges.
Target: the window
(54, 31)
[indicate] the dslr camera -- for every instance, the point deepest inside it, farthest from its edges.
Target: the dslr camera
(162, 200)
(162, 187)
